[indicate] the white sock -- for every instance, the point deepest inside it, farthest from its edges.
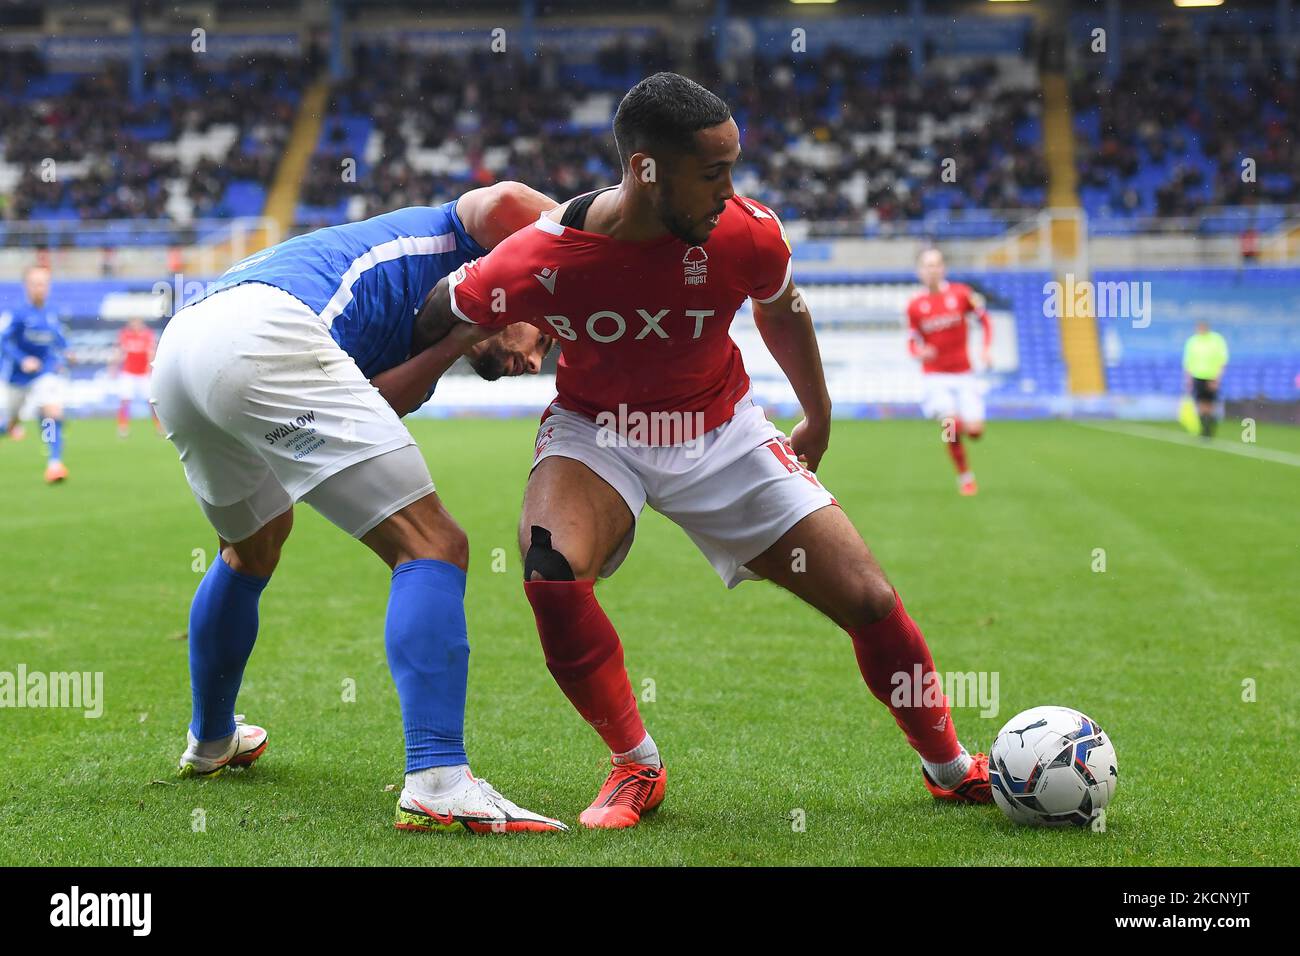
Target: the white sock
(966, 476)
(437, 782)
(214, 749)
(948, 775)
(645, 752)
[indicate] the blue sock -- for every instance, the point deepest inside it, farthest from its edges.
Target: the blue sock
(56, 441)
(223, 627)
(428, 653)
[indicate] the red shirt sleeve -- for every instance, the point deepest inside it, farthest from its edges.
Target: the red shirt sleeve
(914, 337)
(772, 263)
(500, 288)
(975, 303)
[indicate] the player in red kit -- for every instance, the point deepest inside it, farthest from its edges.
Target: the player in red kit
(135, 345)
(638, 284)
(937, 320)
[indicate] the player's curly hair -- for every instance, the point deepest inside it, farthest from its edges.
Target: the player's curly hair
(665, 111)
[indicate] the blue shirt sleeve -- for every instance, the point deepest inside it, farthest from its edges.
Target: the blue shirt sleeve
(466, 242)
(12, 334)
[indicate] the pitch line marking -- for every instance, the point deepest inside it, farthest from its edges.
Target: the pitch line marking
(1191, 441)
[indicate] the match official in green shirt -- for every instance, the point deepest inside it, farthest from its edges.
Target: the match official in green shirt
(1204, 358)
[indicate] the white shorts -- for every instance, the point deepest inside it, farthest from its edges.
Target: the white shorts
(953, 395)
(132, 388)
(264, 406)
(735, 492)
(42, 391)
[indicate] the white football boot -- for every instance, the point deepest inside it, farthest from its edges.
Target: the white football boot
(246, 744)
(472, 804)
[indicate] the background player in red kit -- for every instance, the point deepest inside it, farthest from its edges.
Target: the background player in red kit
(937, 319)
(639, 284)
(135, 344)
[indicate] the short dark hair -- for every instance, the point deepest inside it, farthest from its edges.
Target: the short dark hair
(665, 110)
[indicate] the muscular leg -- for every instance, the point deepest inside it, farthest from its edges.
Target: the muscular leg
(582, 522)
(422, 531)
(223, 626)
(52, 433)
(951, 431)
(839, 576)
(586, 517)
(14, 396)
(425, 634)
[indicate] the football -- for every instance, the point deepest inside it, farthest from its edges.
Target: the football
(1052, 766)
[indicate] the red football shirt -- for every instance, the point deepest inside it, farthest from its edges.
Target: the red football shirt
(137, 348)
(643, 325)
(939, 319)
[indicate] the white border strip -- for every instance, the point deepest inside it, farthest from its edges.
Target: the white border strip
(1191, 441)
(377, 255)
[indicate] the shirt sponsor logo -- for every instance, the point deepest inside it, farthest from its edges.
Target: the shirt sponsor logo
(609, 326)
(289, 427)
(940, 322)
(695, 266)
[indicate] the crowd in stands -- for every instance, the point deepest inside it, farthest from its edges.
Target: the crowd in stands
(835, 136)
(118, 152)
(1168, 136)
(877, 137)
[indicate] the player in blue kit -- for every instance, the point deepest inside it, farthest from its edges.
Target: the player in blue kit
(285, 382)
(31, 354)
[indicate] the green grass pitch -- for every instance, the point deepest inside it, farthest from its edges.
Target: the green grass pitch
(758, 706)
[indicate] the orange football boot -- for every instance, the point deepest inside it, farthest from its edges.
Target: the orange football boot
(56, 471)
(974, 787)
(630, 790)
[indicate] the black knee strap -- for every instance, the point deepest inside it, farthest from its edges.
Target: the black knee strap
(545, 560)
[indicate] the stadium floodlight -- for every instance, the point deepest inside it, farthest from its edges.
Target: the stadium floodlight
(1198, 3)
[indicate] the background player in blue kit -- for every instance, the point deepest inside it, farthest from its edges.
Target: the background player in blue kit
(31, 356)
(264, 386)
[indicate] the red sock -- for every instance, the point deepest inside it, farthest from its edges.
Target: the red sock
(122, 411)
(894, 646)
(585, 657)
(957, 450)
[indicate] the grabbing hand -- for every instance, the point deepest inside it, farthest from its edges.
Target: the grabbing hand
(809, 441)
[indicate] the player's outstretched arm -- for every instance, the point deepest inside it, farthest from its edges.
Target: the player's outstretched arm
(440, 338)
(494, 212)
(986, 328)
(9, 347)
(787, 329)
